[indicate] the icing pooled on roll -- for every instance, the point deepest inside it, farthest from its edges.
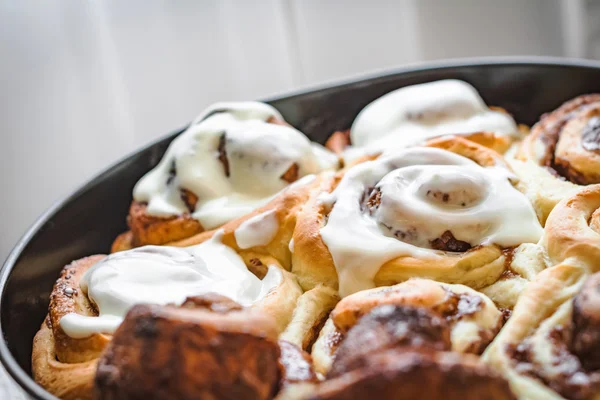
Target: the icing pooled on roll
(232, 159)
(416, 203)
(415, 113)
(164, 275)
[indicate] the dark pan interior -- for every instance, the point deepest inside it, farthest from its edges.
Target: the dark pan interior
(87, 222)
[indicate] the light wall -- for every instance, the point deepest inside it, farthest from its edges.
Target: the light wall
(84, 82)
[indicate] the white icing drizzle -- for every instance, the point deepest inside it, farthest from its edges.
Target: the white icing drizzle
(164, 275)
(415, 113)
(291, 245)
(424, 192)
(258, 230)
(258, 155)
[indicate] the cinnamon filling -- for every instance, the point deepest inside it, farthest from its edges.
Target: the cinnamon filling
(190, 199)
(586, 324)
(575, 349)
(223, 154)
(291, 175)
(447, 242)
(566, 134)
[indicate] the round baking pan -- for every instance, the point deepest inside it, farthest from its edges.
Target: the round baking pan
(87, 221)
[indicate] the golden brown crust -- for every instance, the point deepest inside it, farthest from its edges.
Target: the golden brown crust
(285, 206)
(313, 264)
(150, 230)
(182, 353)
(67, 381)
(67, 297)
(64, 365)
(558, 141)
(568, 233)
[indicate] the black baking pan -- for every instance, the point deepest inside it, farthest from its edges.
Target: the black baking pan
(87, 221)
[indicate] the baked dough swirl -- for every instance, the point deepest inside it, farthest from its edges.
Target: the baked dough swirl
(92, 295)
(234, 158)
(473, 319)
(562, 153)
(549, 347)
(447, 211)
(416, 113)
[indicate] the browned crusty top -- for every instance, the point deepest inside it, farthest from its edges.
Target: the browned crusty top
(67, 297)
(166, 352)
(390, 326)
(404, 373)
(210, 347)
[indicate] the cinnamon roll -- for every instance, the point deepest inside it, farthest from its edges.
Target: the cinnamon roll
(562, 152)
(447, 211)
(199, 350)
(234, 158)
(470, 319)
(92, 296)
(420, 112)
(549, 347)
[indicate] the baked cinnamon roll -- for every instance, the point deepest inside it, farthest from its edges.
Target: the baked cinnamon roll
(447, 211)
(419, 112)
(92, 296)
(200, 350)
(234, 158)
(470, 320)
(549, 347)
(403, 352)
(562, 152)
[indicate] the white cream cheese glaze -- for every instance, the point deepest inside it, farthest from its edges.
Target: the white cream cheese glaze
(258, 154)
(258, 230)
(164, 275)
(416, 113)
(424, 192)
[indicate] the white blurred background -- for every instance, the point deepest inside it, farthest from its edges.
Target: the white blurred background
(84, 82)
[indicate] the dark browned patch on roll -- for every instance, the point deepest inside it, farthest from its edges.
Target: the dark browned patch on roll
(371, 200)
(389, 326)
